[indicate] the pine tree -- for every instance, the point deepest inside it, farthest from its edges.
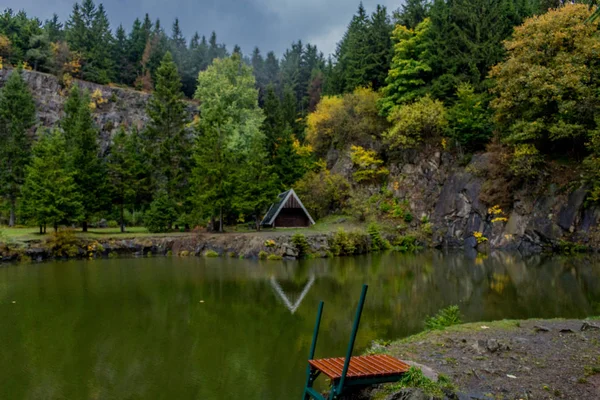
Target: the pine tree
(124, 70)
(54, 29)
(273, 123)
(353, 51)
(50, 192)
(289, 112)
(17, 116)
(121, 168)
(258, 67)
(88, 32)
(412, 13)
(84, 154)
(380, 48)
(271, 69)
(409, 72)
(258, 183)
(467, 40)
(170, 145)
(287, 162)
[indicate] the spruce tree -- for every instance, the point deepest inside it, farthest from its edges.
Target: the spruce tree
(409, 73)
(271, 69)
(54, 29)
(17, 116)
(88, 32)
(257, 185)
(412, 13)
(466, 40)
(84, 154)
(273, 123)
(380, 48)
(169, 144)
(50, 193)
(124, 70)
(121, 169)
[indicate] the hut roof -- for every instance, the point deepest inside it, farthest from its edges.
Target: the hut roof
(276, 207)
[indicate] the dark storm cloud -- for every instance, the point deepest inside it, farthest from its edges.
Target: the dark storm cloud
(270, 24)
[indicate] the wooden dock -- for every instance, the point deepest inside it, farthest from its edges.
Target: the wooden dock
(350, 372)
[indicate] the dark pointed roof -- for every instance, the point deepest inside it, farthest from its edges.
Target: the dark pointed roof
(276, 207)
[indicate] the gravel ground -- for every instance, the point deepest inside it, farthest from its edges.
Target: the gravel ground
(532, 359)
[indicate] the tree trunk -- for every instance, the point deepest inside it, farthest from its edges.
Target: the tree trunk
(84, 226)
(12, 218)
(41, 229)
(44, 229)
(122, 219)
(55, 227)
(212, 223)
(221, 220)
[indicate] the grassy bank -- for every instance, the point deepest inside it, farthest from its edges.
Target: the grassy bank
(326, 225)
(26, 234)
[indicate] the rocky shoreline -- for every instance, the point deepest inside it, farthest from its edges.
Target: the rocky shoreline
(272, 245)
(264, 245)
(530, 359)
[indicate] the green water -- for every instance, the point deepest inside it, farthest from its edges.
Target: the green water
(195, 328)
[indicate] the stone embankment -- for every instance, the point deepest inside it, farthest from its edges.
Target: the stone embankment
(277, 245)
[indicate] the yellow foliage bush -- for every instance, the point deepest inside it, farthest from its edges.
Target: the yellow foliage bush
(369, 168)
(479, 236)
(340, 120)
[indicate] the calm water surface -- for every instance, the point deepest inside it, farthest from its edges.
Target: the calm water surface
(195, 328)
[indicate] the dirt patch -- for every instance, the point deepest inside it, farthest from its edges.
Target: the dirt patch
(533, 359)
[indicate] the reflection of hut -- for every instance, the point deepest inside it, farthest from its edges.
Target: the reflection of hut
(286, 299)
(287, 212)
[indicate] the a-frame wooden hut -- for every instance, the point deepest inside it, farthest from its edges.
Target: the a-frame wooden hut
(287, 212)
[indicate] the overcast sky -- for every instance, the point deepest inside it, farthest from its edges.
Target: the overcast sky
(269, 24)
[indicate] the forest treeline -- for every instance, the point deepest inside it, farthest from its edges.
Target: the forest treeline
(517, 78)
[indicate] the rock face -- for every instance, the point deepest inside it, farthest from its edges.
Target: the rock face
(450, 196)
(119, 106)
(439, 189)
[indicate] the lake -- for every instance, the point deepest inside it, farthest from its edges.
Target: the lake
(215, 328)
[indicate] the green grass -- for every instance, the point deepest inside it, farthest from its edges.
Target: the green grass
(325, 225)
(22, 234)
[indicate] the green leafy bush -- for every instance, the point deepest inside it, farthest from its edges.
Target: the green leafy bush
(378, 243)
(262, 255)
(412, 123)
(323, 193)
(406, 244)
(301, 244)
(469, 119)
(63, 243)
(348, 243)
(112, 224)
(274, 257)
(211, 253)
(444, 318)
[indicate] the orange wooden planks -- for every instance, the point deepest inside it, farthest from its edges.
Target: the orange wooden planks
(360, 367)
